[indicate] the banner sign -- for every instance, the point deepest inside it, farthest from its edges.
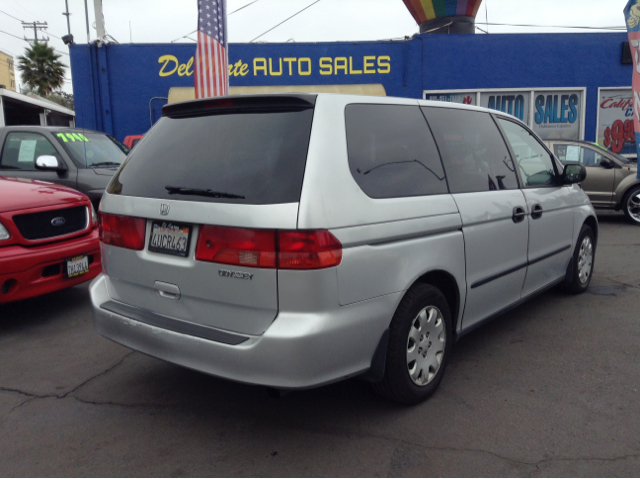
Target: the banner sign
(632, 18)
(558, 114)
(464, 98)
(615, 120)
(514, 103)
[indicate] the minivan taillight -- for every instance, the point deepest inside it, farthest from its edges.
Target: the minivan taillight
(123, 231)
(314, 249)
(237, 246)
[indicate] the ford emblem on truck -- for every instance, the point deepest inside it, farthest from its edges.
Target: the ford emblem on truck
(59, 221)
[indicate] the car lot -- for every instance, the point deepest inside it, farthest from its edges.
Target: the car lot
(550, 389)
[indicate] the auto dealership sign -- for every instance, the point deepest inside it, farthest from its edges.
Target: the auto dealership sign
(615, 120)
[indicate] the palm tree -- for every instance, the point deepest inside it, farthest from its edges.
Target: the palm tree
(41, 71)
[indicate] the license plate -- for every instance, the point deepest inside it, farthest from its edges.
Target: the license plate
(77, 266)
(170, 238)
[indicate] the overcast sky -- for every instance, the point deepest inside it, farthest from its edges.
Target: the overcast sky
(161, 21)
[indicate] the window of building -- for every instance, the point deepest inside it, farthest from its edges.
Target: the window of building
(392, 153)
(13, 84)
(473, 151)
(10, 65)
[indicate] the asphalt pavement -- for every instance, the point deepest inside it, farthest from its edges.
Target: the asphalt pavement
(552, 388)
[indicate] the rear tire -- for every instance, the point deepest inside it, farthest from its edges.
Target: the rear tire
(631, 205)
(583, 260)
(420, 343)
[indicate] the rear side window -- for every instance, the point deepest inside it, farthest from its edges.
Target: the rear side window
(392, 153)
(236, 157)
(21, 150)
(474, 153)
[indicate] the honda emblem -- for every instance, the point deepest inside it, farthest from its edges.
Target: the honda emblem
(164, 210)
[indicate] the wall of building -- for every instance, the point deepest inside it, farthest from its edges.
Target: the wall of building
(7, 71)
(114, 84)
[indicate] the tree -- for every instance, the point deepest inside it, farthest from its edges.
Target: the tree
(41, 69)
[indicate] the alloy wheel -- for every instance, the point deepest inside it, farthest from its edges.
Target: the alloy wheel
(585, 259)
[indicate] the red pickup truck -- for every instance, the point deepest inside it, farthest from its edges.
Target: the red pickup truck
(48, 238)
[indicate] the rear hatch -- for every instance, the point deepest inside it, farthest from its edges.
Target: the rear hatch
(229, 170)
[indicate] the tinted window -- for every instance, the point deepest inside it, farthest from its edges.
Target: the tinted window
(248, 158)
(21, 150)
(392, 153)
(89, 150)
(473, 151)
(535, 163)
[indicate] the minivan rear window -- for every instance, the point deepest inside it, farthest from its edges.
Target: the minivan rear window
(236, 157)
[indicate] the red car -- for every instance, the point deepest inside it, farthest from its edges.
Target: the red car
(131, 140)
(48, 238)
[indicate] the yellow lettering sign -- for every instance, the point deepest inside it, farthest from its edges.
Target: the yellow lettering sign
(351, 70)
(290, 61)
(271, 70)
(369, 66)
(340, 63)
(384, 64)
(307, 71)
(167, 59)
(326, 66)
(260, 64)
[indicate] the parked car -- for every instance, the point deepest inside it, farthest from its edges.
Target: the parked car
(305, 239)
(612, 180)
(81, 159)
(48, 238)
(132, 140)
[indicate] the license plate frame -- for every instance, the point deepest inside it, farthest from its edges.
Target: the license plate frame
(172, 228)
(82, 260)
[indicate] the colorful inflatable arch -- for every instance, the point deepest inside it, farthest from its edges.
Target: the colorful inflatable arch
(426, 11)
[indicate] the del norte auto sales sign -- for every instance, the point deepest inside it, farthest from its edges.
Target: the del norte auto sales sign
(632, 18)
(615, 120)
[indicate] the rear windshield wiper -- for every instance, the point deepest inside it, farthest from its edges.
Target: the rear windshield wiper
(180, 190)
(104, 163)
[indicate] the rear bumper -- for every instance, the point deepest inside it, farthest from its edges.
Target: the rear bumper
(298, 350)
(39, 270)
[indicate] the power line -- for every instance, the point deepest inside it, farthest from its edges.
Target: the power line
(20, 38)
(553, 26)
(29, 13)
(9, 15)
(286, 20)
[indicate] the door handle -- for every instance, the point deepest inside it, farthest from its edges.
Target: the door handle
(536, 212)
(518, 214)
(167, 290)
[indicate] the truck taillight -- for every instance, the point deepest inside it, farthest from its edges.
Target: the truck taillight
(314, 249)
(124, 231)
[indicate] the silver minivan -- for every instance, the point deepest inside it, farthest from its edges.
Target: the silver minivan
(296, 240)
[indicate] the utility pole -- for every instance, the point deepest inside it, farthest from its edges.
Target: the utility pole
(97, 6)
(86, 16)
(66, 14)
(42, 26)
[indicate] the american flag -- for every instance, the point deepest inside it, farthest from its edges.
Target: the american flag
(211, 74)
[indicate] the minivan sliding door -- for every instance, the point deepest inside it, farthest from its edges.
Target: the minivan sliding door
(483, 182)
(549, 207)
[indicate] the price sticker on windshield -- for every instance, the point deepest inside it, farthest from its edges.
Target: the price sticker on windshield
(66, 137)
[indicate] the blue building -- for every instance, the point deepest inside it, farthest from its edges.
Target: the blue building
(562, 85)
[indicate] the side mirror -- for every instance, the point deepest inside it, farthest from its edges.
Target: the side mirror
(49, 162)
(573, 173)
(606, 163)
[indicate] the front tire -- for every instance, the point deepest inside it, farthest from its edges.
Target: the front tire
(420, 343)
(631, 205)
(583, 260)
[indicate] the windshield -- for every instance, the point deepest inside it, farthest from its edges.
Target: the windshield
(239, 157)
(91, 150)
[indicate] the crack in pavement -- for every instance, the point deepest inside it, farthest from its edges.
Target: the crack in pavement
(34, 397)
